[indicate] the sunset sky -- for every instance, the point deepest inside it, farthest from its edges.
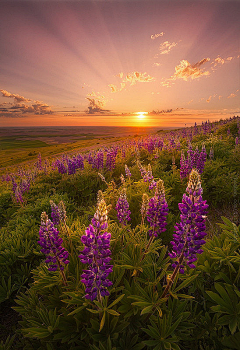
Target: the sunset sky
(104, 62)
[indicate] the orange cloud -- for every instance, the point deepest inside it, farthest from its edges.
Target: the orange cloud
(136, 77)
(187, 71)
(154, 36)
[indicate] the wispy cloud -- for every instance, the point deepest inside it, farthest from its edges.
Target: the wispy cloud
(155, 36)
(187, 71)
(166, 47)
(233, 94)
(219, 61)
(163, 111)
(131, 79)
(21, 106)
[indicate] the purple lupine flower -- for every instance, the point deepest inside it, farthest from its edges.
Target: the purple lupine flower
(188, 239)
(111, 159)
(183, 166)
(127, 171)
(97, 255)
(71, 166)
(122, 208)
(157, 211)
(236, 140)
(51, 243)
(54, 213)
(62, 169)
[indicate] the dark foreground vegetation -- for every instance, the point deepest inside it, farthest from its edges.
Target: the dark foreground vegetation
(127, 247)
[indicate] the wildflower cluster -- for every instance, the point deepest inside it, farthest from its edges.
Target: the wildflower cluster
(195, 159)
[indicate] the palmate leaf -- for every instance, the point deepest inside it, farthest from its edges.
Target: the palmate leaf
(228, 306)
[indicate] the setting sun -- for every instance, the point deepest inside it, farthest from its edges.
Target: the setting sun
(141, 115)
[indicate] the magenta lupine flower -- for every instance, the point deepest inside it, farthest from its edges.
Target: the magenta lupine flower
(157, 211)
(97, 255)
(127, 171)
(122, 207)
(51, 243)
(189, 233)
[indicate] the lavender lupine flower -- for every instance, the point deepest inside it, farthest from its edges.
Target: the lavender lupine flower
(127, 171)
(55, 215)
(51, 243)
(122, 208)
(97, 254)
(157, 211)
(190, 232)
(183, 166)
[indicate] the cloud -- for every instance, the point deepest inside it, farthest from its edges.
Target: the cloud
(209, 99)
(162, 111)
(219, 61)
(156, 64)
(135, 77)
(17, 98)
(96, 104)
(187, 71)
(131, 79)
(155, 36)
(232, 95)
(166, 47)
(113, 88)
(21, 106)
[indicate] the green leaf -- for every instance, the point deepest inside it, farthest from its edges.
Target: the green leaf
(147, 310)
(112, 312)
(102, 321)
(116, 301)
(185, 283)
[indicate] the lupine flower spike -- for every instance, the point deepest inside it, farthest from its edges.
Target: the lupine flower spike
(51, 243)
(102, 178)
(188, 239)
(127, 171)
(97, 255)
(54, 213)
(156, 214)
(122, 208)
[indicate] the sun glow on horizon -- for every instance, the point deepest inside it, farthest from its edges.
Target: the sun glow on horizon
(141, 115)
